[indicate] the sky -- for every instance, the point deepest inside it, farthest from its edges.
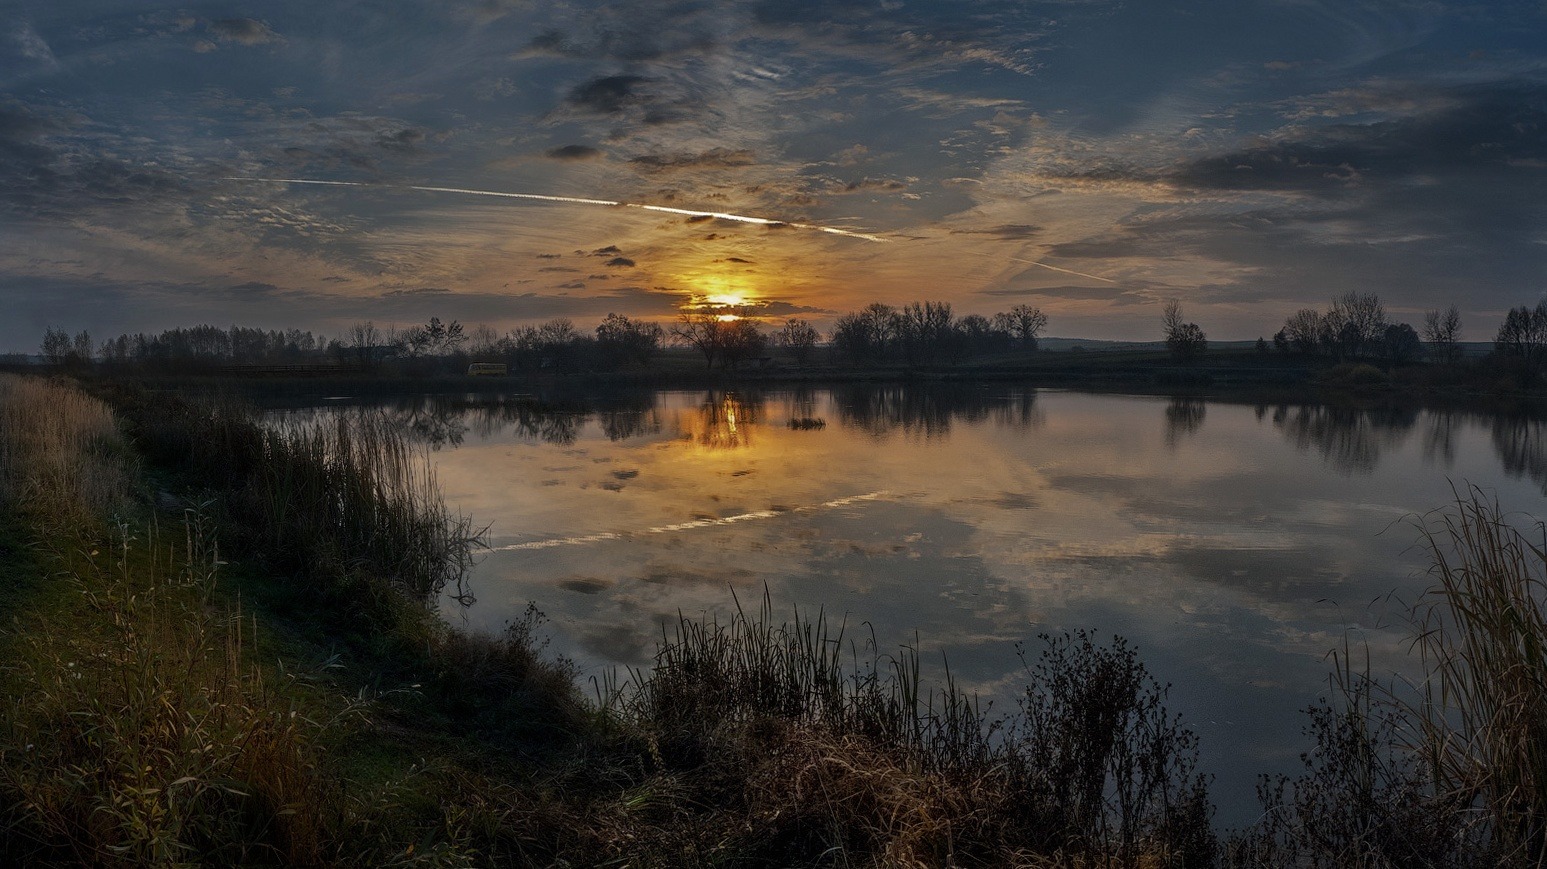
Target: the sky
(1246, 157)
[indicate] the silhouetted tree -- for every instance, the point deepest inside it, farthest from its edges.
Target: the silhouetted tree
(1442, 331)
(623, 340)
(1524, 332)
(740, 340)
(1302, 331)
(1024, 323)
(798, 337)
(1184, 340)
(1400, 343)
(56, 345)
(1355, 324)
(702, 332)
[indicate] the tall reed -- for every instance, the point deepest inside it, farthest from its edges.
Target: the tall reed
(350, 502)
(61, 453)
(1448, 769)
(1479, 722)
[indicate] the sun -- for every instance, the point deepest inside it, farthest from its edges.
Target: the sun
(727, 296)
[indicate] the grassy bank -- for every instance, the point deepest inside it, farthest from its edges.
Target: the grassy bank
(220, 650)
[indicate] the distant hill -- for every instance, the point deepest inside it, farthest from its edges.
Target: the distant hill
(1468, 348)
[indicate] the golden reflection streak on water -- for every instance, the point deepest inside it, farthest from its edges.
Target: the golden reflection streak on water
(690, 525)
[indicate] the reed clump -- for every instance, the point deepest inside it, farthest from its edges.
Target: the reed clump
(349, 504)
(1478, 721)
(61, 452)
(1448, 769)
(824, 752)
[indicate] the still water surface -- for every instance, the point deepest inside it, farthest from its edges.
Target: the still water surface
(1234, 545)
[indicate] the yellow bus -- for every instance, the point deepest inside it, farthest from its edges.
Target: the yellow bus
(486, 369)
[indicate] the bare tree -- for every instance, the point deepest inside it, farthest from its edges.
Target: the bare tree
(1302, 330)
(1442, 331)
(1024, 323)
(56, 345)
(702, 332)
(363, 339)
(1356, 323)
(1524, 332)
(1184, 340)
(626, 340)
(798, 337)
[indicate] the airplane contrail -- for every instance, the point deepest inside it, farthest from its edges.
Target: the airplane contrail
(687, 526)
(575, 200)
(1065, 271)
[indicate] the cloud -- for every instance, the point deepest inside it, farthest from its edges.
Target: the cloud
(620, 262)
(608, 95)
(1007, 231)
(246, 31)
(714, 158)
(51, 168)
(1475, 129)
(888, 185)
(572, 153)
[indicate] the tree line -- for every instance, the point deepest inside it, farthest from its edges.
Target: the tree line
(1353, 327)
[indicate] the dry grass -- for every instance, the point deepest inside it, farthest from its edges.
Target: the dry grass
(61, 453)
(139, 733)
(1480, 723)
(813, 751)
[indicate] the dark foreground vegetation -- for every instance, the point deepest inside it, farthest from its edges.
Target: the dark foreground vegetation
(219, 650)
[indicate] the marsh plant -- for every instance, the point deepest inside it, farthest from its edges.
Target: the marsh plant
(1448, 769)
(351, 496)
(843, 756)
(61, 452)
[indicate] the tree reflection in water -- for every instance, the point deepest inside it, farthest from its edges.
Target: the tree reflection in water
(1350, 440)
(929, 411)
(1184, 416)
(1522, 446)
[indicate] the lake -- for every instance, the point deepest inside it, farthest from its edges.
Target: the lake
(1234, 545)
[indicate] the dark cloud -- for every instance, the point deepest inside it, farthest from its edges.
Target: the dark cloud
(350, 141)
(1008, 231)
(417, 291)
(255, 287)
(608, 95)
(246, 31)
(620, 262)
(51, 167)
(714, 158)
(864, 184)
(572, 152)
(1494, 129)
(784, 309)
